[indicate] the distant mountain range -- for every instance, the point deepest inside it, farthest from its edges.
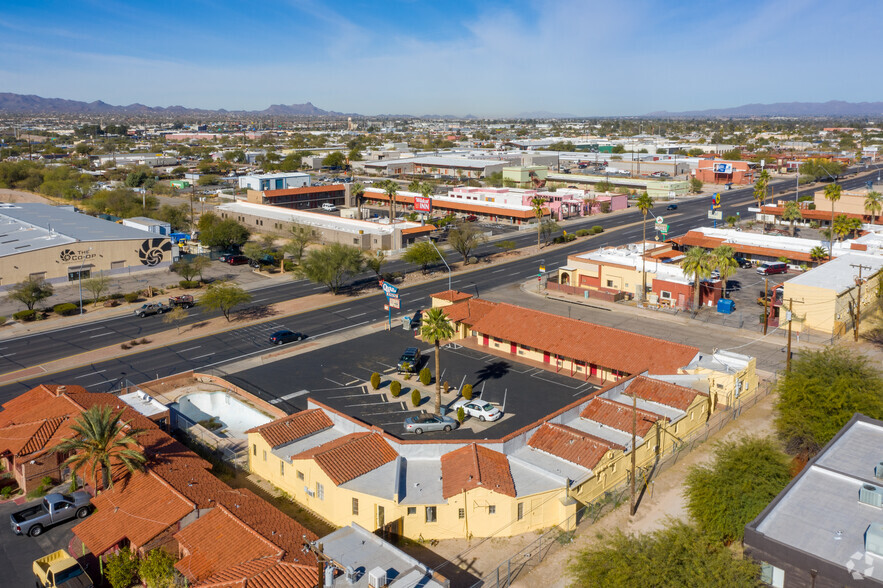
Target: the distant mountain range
(31, 104)
(833, 109)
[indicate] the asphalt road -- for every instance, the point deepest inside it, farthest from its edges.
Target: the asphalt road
(214, 350)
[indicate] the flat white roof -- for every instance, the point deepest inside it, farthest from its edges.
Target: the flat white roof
(276, 175)
(839, 274)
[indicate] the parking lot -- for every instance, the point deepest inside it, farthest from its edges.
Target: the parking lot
(337, 376)
(746, 285)
(17, 553)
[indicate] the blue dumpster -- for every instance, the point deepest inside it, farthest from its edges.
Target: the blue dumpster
(726, 306)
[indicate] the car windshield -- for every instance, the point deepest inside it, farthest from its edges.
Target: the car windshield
(65, 575)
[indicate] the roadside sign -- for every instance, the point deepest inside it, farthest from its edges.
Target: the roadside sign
(392, 296)
(422, 204)
(395, 303)
(659, 220)
(662, 228)
(542, 268)
(388, 288)
(716, 200)
(715, 214)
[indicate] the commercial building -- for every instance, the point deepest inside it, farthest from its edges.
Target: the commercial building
(719, 171)
(441, 166)
(278, 181)
(825, 529)
(148, 159)
(534, 478)
(365, 235)
(851, 204)
(613, 273)
(58, 244)
(656, 189)
(148, 224)
(300, 198)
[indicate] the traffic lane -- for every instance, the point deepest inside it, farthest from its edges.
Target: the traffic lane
(17, 553)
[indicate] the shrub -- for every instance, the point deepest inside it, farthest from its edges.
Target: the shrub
(446, 386)
(467, 391)
(375, 380)
(605, 207)
(116, 296)
(121, 568)
(65, 309)
(473, 259)
(125, 346)
(395, 388)
(507, 245)
(425, 376)
(2, 320)
(6, 492)
(415, 398)
(132, 296)
(783, 259)
(25, 315)
(157, 569)
(596, 229)
(188, 284)
(582, 233)
(461, 414)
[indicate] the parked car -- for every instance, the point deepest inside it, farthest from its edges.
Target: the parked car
(151, 308)
(769, 268)
(184, 301)
(60, 570)
(286, 336)
(671, 207)
(328, 207)
(485, 411)
(743, 263)
(237, 260)
(54, 508)
(430, 422)
(409, 360)
(471, 218)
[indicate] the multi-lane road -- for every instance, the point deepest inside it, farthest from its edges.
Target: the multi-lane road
(224, 347)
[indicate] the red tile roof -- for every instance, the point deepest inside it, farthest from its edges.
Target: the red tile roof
(666, 393)
(571, 338)
(294, 427)
(619, 416)
(571, 444)
(138, 508)
(263, 573)
(476, 466)
(451, 296)
(350, 456)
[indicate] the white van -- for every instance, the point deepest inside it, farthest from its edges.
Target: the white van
(328, 207)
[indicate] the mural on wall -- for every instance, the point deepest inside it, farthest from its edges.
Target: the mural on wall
(153, 250)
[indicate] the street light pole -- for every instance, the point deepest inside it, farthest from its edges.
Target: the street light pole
(80, 274)
(431, 242)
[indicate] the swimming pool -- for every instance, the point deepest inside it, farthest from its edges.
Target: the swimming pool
(236, 416)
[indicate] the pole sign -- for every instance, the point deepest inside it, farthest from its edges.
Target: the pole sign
(395, 303)
(716, 200)
(388, 288)
(422, 204)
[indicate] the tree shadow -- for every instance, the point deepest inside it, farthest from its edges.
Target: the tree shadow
(194, 326)
(492, 371)
(255, 313)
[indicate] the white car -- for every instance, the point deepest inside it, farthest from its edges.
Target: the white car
(485, 411)
(328, 207)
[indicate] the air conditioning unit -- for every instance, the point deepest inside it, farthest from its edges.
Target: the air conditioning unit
(308, 491)
(377, 578)
(878, 470)
(871, 495)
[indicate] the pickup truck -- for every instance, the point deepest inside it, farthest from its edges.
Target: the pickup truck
(151, 308)
(54, 508)
(60, 570)
(184, 301)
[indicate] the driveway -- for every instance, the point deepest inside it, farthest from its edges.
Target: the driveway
(17, 553)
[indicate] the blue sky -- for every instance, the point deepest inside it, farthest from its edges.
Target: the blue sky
(487, 58)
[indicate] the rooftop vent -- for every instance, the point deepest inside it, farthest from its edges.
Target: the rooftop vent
(878, 470)
(874, 539)
(871, 495)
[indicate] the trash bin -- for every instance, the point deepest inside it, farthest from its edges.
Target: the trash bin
(726, 306)
(406, 323)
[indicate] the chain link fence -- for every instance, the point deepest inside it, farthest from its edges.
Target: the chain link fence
(533, 554)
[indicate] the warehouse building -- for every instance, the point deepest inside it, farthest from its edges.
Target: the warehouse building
(300, 198)
(460, 167)
(58, 244)
(279, 181)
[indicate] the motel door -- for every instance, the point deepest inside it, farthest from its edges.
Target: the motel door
(546, 357)
(513, 348)
(484, 340)
(593, 370)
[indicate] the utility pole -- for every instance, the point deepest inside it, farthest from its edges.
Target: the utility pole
(790, 318)
(192, 190)
(766, 301)
(634, 505)
(858, 302)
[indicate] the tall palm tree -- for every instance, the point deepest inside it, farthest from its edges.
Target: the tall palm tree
(644, 204)
(102, 441)
(832, 193)
(841, 226)
(358, 190)
(874, 204)
(792, 213)
(818, 253)
(391, 189)
(537, 205)
(760, 187)
(436, 328)
(697, 262)
(724, 261)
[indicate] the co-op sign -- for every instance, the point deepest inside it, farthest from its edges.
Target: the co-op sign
(81, 255)
(422, 204)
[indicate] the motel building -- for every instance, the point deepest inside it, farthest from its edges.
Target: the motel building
(347, 471)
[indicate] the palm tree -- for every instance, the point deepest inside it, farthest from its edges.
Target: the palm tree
(792, 213)
(724, 261)
(818, 253)
(832, 193)
(697, 262)
(358, 190)
(841, 226)
(436, 328)
(537, 205)
(102, 441)
(760, 187)
(874, 204)
(391, 189)
(644, 204)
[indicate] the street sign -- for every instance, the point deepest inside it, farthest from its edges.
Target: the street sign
(388, 288)
(542, 268)
(392, 296)
(659, 220)
(395, 303)
(662, 228)
(715, 214)
(422, 204)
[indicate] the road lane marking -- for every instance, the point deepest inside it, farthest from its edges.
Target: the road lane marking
(190, 349)
(95, 329)
(201, 356)
(289, 396)
(89, 374)
(357, 315)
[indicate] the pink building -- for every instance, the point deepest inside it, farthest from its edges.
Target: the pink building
(562, 204)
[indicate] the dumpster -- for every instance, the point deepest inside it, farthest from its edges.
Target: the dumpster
(406, 323)
(726, 306)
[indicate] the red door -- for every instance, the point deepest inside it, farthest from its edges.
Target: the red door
(513, 348)
(593, 370)
(546, 357)
(484, 339)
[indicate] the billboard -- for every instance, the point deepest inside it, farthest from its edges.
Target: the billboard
(722, 168)
(422, 204)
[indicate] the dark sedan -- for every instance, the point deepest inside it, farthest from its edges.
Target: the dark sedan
(280, 337)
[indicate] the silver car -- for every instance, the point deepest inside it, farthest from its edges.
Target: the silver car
(430, 422)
